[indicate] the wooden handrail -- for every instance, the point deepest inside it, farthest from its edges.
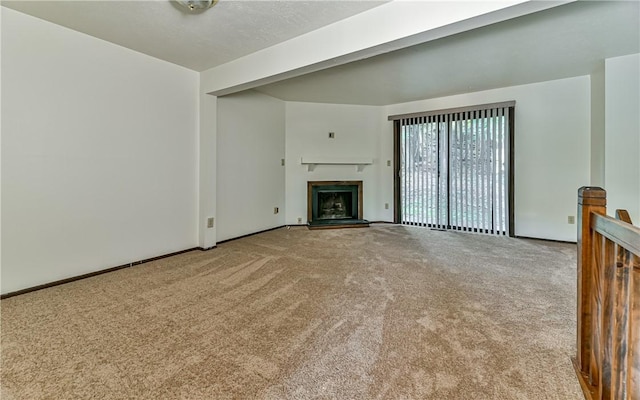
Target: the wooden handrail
(607, 361)
(623, 215)
(622, 233)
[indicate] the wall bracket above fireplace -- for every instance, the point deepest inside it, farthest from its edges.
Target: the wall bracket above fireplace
(359, 162)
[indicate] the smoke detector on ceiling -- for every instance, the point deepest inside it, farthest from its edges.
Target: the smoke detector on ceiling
(197, 5)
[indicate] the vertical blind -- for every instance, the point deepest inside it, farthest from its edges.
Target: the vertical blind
(454, 168)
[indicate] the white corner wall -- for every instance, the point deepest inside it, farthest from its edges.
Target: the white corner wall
(1, 10)
(250, 177)
(552, 149)
(99, 154)
(207, 147)
(622, 135)
(357, 133)
(597, 126)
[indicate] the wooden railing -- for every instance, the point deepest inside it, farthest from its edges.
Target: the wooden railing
(608, 345)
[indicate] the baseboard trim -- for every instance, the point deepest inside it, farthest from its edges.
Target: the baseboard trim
(95, 273)
(544, 240)
(134, 263)
(251, 234)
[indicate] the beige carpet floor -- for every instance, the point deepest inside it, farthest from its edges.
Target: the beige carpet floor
(387, 312)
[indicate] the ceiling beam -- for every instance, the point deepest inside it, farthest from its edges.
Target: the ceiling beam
(391, 26)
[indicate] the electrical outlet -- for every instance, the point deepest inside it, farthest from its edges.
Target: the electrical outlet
(282, 162)
(386, 206)
(210, 222)
(276, 210)
(388, 163)
(299, 220)
(571, 219)
(332, 135)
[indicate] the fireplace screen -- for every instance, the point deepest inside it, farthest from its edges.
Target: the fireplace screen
(335, 203)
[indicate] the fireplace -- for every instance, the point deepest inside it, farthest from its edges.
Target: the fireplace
(335, 204)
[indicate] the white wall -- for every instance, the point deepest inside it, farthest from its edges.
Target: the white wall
(552, 149)
(1, 8)
(99, 154)
(597, 126)
(250, 177)
(357, 130)
(552, 158)
(622, 134)
(208, 132)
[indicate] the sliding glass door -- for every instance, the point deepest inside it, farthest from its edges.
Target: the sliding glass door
(423, 186)
(455, 169)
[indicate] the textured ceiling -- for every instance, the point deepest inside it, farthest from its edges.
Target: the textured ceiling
(160, 28)
(565, 41)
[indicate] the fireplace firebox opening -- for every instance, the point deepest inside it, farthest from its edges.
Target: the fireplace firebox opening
(335, 204)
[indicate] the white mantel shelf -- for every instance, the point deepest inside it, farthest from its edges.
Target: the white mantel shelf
(359, 162)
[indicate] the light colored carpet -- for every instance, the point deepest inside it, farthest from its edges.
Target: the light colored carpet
(387, 312)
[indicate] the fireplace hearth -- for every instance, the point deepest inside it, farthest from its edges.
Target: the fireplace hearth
(335, 204)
